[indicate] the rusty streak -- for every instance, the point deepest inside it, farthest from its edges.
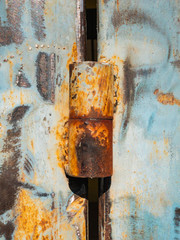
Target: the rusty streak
(37, 18)
(46, 75)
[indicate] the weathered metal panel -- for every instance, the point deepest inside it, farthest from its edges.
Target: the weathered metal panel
(38, 41)
(141, 39)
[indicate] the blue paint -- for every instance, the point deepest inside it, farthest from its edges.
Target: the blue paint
(146, 155)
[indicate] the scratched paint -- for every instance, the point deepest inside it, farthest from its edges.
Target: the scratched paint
(141, 39)
(37, 43)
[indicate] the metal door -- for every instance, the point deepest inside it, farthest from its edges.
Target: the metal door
(141, 40)
(39, 39)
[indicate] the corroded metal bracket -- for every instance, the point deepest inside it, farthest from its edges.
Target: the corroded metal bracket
(90, 120)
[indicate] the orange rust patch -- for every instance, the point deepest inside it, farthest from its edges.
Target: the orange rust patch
(33, 220)
(117, 62)
(72, 56)
(166, 98)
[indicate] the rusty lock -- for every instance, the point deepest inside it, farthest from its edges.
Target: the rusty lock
(90, 120)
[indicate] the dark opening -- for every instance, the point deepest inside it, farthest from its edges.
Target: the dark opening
(91, 55)
(91, 18)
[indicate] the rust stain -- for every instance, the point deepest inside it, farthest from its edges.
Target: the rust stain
(73, 56)
(21, 98)
(166, 98)
(60, 130)
(62, 144)
(118, 5)
(90, 148)
(124, 236)
(118, 95)
(32, 145)
(159, 153)
(11, 72)
(33, 219)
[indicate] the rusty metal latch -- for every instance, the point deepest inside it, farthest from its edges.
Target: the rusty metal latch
(90, 120)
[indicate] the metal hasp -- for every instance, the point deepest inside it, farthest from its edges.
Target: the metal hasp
(90, 120)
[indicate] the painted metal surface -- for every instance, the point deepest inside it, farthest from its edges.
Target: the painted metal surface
(141, 39)
(38, 41)
(90, 125)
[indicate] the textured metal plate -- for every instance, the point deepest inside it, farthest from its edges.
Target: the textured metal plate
(141, 39)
